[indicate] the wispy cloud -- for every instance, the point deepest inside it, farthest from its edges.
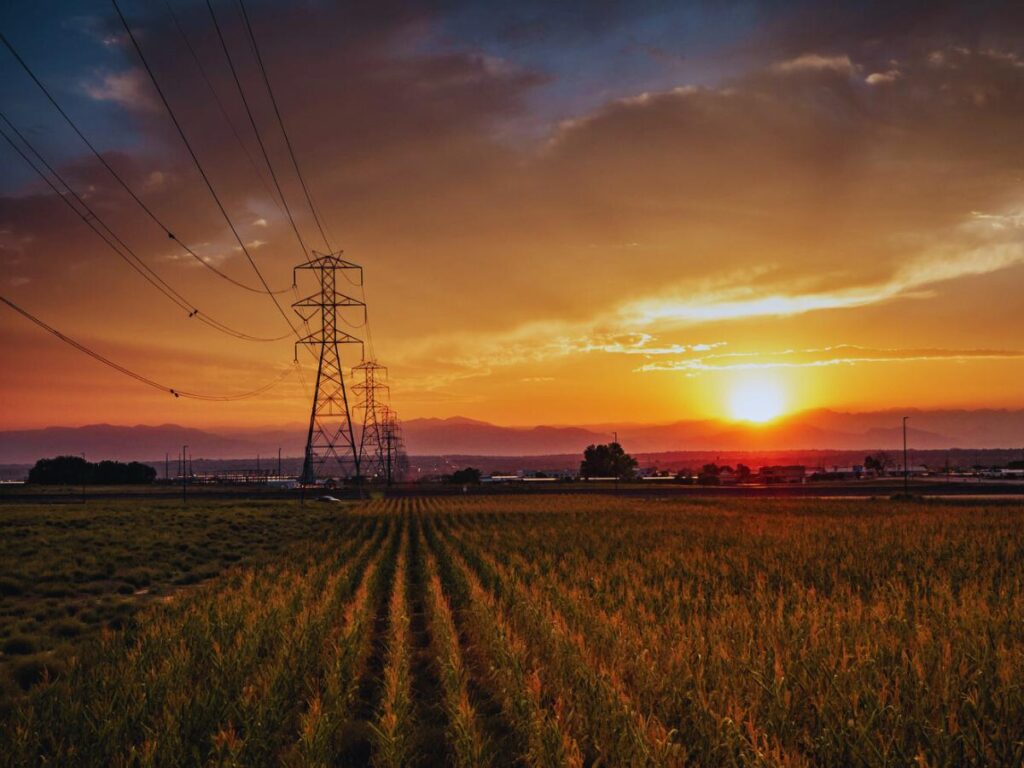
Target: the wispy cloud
(816, 62)
(840, 354)
(747, 302)
(127, 88)
(633, 328)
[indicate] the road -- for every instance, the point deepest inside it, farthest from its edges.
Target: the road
(1011, 490)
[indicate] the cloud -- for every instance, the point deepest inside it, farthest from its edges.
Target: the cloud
(636, 322)
(840, 354)
(881, 78)
(155, 180)
(128, 88)
(813, 62)
(743, 303)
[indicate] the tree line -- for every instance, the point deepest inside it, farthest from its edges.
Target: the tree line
(74, 470)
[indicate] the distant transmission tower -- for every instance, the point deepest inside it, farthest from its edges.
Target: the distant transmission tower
(372, 407)
(396, 463)
(331, 448)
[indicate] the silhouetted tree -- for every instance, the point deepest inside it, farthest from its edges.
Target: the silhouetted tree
(709, 475)
(467, 476)
(74, 470)
(879, 462)
(607, 461)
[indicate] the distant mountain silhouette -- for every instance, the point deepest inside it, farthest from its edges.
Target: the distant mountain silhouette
(148, 443)
(817, 429)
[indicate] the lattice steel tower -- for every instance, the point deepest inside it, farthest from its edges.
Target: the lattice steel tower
(396, 463)
(331, 448)
(373, 397)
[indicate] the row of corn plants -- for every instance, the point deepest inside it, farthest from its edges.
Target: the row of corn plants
(526, 699)
(392, 729)
(604, 721)
(464, 732)
(343, 656)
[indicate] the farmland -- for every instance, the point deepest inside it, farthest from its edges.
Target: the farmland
(543, 631)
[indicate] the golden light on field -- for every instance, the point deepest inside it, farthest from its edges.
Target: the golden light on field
(758, 400)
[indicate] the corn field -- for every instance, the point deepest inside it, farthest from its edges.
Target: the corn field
(572, 631)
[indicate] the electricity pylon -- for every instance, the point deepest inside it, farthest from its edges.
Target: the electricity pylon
(395, 460)
(373, 394)
(331, 449)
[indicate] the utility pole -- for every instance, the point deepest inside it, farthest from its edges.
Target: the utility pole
(85, 469)
(615, 441)
(279, 462)
(390, 439)
(167, 466)
(906, 467)
(184, 477)
(330, 440)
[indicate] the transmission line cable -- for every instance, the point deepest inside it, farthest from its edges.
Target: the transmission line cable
(295, 163)
(120, 180)
(280, 121)
(105, 233)
(199, 166)
(138, 376)
(255, 129)
(220, 105)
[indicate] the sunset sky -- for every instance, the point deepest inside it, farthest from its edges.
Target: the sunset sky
(602, 212)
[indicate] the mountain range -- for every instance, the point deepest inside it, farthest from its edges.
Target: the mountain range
(816, 429)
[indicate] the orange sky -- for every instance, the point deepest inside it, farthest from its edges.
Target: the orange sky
(842, 220)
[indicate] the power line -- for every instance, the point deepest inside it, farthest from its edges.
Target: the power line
(199, 166)
(92, 219)
(138, 376)
(295, 163)
(255, 129)
(280, 121)
(120, 180)
(220, 105)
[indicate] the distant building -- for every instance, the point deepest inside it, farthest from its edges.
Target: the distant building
(795, 473)
(726, 476)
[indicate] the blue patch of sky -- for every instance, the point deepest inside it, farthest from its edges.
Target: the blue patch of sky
(594, 53)
(63, 42)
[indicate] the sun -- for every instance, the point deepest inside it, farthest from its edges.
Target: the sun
(756, 400)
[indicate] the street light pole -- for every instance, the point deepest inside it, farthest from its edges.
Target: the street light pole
(615, 437)
(906, 467)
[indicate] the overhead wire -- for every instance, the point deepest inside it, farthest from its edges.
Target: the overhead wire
(284, 131)
(120, 179)
(122, 249)
(199, 165)
(255, 129)
(298, 171)
(138, 376)
(220, 104)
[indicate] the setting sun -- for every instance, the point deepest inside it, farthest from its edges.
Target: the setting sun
(756, 400)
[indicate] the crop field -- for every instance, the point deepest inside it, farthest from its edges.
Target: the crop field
(69, 571)
(548, 631)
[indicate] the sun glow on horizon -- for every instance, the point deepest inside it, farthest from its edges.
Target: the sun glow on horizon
(756, 400)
